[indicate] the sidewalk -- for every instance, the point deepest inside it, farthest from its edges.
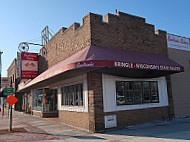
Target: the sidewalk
(39, 129)
(32, 133)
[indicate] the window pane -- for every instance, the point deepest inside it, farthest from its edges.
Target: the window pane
(67, 95)
(72, 95)
(146, 92)
(38, 100)
(120, 97)
(154, 91)
(80, 94)
(129, 97)
(63, 92)
(138, 92)
(77, 95)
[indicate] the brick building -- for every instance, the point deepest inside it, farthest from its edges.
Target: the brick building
(14, 82)
(4, 82)
(11, 73)
(105, 74)
(179, 51)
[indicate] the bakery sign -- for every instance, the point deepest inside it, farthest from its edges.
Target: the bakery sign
(29, 65)
(178, 42)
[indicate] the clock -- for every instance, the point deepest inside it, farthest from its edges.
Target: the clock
(23, 47)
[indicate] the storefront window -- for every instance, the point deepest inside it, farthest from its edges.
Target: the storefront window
(38, 100)
(23, 102)
(72, 95)
(28, 100)
(154, 91)
(136, 92)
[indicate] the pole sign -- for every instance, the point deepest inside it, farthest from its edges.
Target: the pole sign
(8, 91)
(29, 65)
(11, 100)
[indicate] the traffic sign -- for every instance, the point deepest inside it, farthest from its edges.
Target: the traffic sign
(11, 100)
(8, 91)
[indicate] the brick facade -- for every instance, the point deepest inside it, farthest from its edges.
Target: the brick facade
(11, 73)
(65, 43)
(120, 31)
(95, 103)
(76, 119)
(125, 31)
(136, 117)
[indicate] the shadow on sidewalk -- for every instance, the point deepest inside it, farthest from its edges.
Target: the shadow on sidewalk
(62, 135)
(172, 129)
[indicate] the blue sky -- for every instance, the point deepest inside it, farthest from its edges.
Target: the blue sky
(23, 20)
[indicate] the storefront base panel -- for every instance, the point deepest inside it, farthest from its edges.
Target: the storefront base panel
(134, 117)
(75, 119)
(49, 114)
(45, 114)
(37, 113)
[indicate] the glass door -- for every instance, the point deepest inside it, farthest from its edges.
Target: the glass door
(50, 100)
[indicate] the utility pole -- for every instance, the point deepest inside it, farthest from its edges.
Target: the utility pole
(2, 103)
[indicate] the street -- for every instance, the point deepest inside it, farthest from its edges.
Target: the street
(38, 129)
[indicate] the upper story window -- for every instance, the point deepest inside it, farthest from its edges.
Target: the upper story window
(72, 95)
(13, 78)
(136, 92)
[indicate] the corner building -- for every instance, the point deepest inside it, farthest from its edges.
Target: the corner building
(105, 74)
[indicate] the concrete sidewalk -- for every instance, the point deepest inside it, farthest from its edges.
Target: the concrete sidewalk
(43, 130)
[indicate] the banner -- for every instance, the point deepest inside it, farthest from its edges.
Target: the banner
(18, 65)
(29, 65)
(178, 42)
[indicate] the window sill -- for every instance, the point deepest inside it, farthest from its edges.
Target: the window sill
(74, 108)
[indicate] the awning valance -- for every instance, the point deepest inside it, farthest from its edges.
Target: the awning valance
(98, 57)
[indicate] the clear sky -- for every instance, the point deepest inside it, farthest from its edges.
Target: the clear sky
(23, 20)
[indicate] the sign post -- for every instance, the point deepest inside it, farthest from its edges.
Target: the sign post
(11, 100)
(8, 91)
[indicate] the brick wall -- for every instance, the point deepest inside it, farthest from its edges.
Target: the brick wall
(76, 119)
(140, 116)
(125, 31)
(180, 83)
(12, 71)
(129, 32)
(65, 43)
(95, 101)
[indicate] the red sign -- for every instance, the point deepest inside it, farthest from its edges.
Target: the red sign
(45, 100)
(29, 65)
(11, 100)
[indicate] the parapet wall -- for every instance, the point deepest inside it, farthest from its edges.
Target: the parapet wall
(126, 31)
(66, 42)
(118, 30)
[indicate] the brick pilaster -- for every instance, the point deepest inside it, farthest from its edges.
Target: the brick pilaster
(95, 95)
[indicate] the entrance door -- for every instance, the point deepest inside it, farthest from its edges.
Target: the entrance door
(50, 100)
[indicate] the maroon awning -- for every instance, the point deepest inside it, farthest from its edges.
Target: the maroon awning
(98, 57)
